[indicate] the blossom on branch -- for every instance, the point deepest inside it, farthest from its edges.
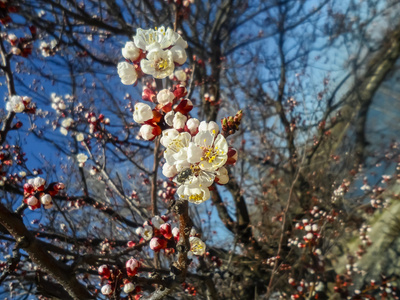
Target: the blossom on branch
(142, 113)
(197, 246)
(15, 104)
(127, 73)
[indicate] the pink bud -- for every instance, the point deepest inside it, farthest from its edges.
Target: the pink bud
(32, 201)
(156, 244)
(165, 230)
(132, 266)
(149, 132)
(28, 188)
(148, 95)
(104, 271)
(175, 233)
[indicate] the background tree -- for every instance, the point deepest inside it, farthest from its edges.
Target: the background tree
(316, 162)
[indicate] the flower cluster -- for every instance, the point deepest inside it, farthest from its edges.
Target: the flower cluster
(152, 52)
(163, 237)
(303, 289)
(312, 232)
(195, 157)
(20, 104)
(48, 49)
(344, 287)
(81, 158)
(66, 124)
(172, 110)
(95, 122)
(113, 278)
(19, 46)
(35, 193)
(57, 103)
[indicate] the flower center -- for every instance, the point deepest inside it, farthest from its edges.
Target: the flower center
(161, 64)
(197, 248)
(210, 154)
(196, 197)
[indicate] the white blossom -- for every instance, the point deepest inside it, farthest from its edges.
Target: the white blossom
(106, 289)
(38, 182)
(193, 125)
(45, 199)
(80, 137)
(169, 170)
(145, 39)
(128, 287)
(157, 221)
(63, 131)
(15, 51)
(197, 246)
(158, 63)
(15, 104)
(179, 121)
(147, 232)
(81, 158)
(12, 37)
(179, 55)
(195, 195)
(130, 51)
(142, 113)
(67, 122)
(215, 152)
(139, 231)
(127, 73)
(32, 201)
(180, 75)
(147, 132)
(61, 106)
(165, 97)
(169, 118)
(209, 126)
(175, 143)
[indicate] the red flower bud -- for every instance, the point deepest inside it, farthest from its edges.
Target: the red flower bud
(156, 244)
(180, 91)
(131, 244)
(32, 202)
(148, 95)
(165, 230)
(132, 266)
(104, 271)
(28, 189)
(232, 156)
(184, 107)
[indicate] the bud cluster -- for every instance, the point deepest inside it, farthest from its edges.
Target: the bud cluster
(163, 237)
(114, 279)
(231, 124)
(36, 194)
